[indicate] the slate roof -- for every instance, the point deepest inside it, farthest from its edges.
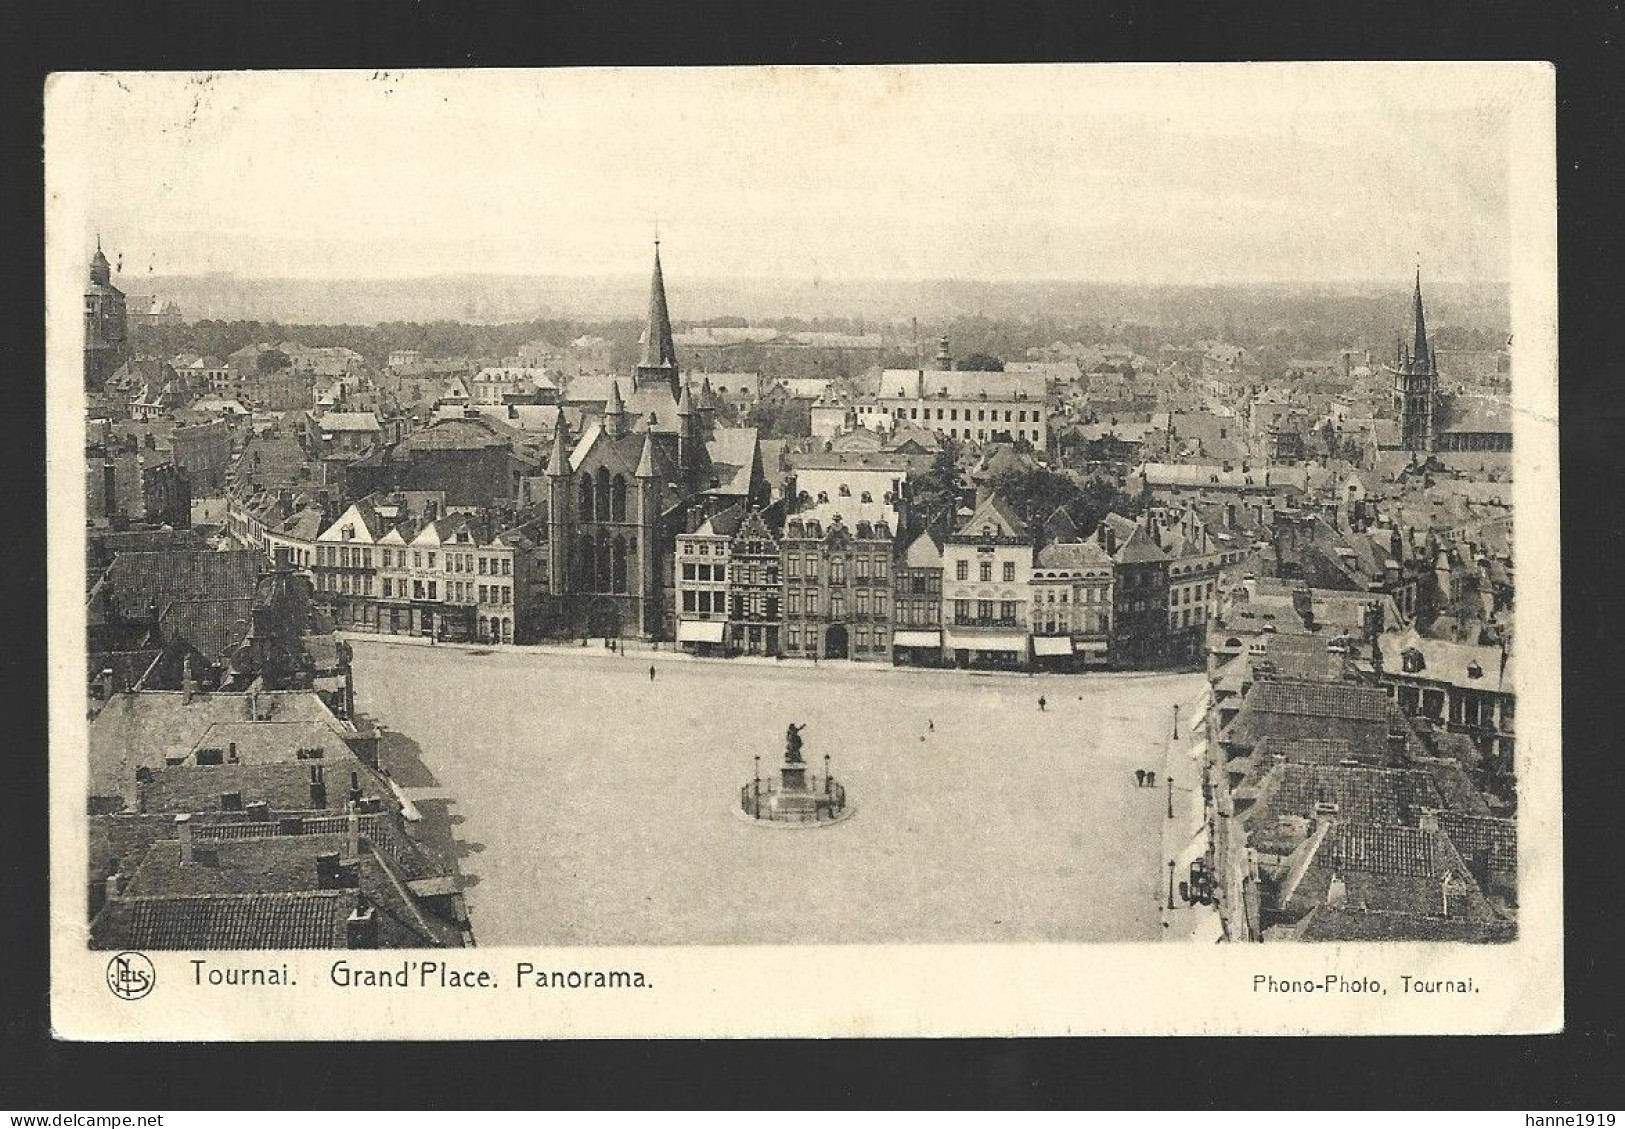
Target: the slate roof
(137, 580)
(284, 785)
(1073, 555)
(1320, 699)
(1390, 869)
(143, 729)
(225, 869)
(305, 920)
(1352, 925)
(1484, 837)
(1363, 794)
(214, 627)
(962, 384)
(1448, 662)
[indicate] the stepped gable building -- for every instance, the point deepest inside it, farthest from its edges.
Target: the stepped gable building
(106, 324)
(652, 466)
(1415, 382)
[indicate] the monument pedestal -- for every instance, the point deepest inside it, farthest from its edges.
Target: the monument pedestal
(794, 797)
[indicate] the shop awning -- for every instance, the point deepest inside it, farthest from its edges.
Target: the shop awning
(989, 641)
(916, 638)
(699, 631)
(1091, 647)
(1052, 644)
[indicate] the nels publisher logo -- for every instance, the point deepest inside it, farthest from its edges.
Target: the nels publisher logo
(130, 976)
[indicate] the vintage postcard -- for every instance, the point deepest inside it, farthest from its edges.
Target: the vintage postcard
(801, 551)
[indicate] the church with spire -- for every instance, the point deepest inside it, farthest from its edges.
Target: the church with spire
(653, 464)
(1415, 382)
(106, 324)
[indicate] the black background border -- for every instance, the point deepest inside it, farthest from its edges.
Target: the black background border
(1578, 1070)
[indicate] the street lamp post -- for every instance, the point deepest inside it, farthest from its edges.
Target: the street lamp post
(1176, 721)
(1170, 797)
(1170, 883)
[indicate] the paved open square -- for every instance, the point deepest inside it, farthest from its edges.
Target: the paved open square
(585, 803)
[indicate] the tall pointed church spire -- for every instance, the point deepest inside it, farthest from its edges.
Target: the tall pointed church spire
(659, 357)
(1420, 353)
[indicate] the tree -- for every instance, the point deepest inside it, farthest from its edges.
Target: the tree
(937, 490)
(980, 362)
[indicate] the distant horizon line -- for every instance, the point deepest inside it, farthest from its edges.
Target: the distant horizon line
(1404, 280)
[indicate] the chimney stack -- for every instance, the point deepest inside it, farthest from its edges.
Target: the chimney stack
(183, 829)
(361, 928)
(327, 870)
(352, 835)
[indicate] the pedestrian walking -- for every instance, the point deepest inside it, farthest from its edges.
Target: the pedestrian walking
(1139, 778)
(930, 725)
(1041, 703)
(1150, 779)
(651, 673)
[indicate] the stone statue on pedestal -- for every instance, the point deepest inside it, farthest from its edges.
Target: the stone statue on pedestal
(792, 744)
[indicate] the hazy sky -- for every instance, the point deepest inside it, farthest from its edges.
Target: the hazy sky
(1149, 173)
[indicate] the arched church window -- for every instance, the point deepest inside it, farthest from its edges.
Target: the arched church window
(619, 565)
(603, 495)
(605, 572)
(617, 499)
(584, 511)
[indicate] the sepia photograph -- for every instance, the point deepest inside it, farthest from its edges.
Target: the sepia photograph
(780, 520)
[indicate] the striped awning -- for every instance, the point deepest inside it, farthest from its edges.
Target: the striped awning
(1052, 644)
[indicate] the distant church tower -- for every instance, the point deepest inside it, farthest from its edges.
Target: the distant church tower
(106, 325)
(658, 362)
(1415, 373)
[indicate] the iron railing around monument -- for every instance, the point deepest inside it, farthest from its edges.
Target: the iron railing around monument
(755, 800)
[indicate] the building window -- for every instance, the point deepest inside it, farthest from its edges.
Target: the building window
(984, 610)
(482, 564)
(882, 567)
(961, 570)
(1007, 611)
(985, 571)
(688, 600)
(389, 588)
(837, 605)
(1009, 571)
(688, 571)
(861, 566)
(719, 573)
(792, 565)
(795, 603)
(794, 636)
